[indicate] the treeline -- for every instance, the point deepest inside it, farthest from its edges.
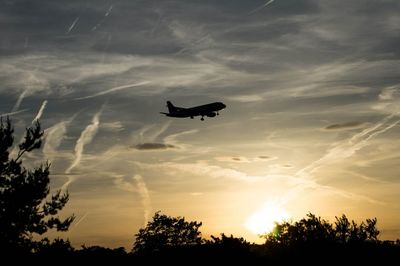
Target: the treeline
(27, 209)
(173, 239)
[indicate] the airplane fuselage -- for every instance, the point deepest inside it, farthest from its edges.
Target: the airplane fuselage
(209, 110)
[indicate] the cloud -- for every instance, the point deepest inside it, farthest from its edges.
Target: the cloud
(389, 100)
(266, 157)
(40, 112)
(261, 7)
(173, 138)
(150, 133)
(345, 126)
(347, 148)
(214, 171)
(154, 146)
(145, 197)
(390, 93)
(85, 138)
(76, 223)
(14, 113)
(53, 137)
(31, 82)
(139, 187)
(72, 25)
(113, 126)
(235, 159)
(242, 159)
(19, 100)
(246, 98)
(113, 89)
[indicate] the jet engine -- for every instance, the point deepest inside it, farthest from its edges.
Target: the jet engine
(211, 114)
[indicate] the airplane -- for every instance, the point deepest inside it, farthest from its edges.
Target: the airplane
(209, 110)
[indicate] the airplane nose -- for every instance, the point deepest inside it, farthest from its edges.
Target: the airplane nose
(223, 105)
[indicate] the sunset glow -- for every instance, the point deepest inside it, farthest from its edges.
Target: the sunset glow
(311, 122)
(263, 221)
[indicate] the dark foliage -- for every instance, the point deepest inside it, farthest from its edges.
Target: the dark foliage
(314, 230)
(166, 232)
(25, 206)
(316, 237)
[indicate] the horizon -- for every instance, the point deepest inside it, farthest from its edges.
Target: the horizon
(311, 122)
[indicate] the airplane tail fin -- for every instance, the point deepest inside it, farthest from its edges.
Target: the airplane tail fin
(171, 107)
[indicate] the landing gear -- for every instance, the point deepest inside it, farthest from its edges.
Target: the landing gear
(202, 118)
(217, 113)
(191, 117)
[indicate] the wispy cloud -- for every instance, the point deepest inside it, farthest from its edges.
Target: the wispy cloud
(347, 148)
(150, 133)
(139, 186)
(72, 25)
(113, 90)
(75, 224)
(154, 146)
(108, 12)
(345, 126)
(144, 195)
(173, 138)
(85, 138)
(14, 113)
(113, 126)
(243, 159)
(40, 112)
(390, 93)
(19, 100)
(53, 137)
(215, 171)
(246, 98)
(261, 7)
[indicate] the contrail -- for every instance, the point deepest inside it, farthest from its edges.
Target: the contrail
(74, 225)
(341, 151)
(261, 7)
(54, 135)
(113, 89)
(19, 101)
(72, 25)
(14, 113)
(108, 11)
(151, 133)
(144, 196)
(40, 113)
(85, 138)
(140, 188)
(346, 149)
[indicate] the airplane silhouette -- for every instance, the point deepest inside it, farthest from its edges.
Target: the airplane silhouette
(209, 110)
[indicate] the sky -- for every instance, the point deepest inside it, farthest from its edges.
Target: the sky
(312, 122)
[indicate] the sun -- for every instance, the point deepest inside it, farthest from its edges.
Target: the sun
(263, 220)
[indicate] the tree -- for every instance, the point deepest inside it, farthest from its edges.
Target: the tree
(165, 231)
(352, 232)
(311, 229)
(25, 205)
(314, 230)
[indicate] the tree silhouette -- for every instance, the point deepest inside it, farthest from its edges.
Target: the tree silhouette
(314, 230)
(308, 230)
(347, 232)
(25, 206)
(165, 232)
